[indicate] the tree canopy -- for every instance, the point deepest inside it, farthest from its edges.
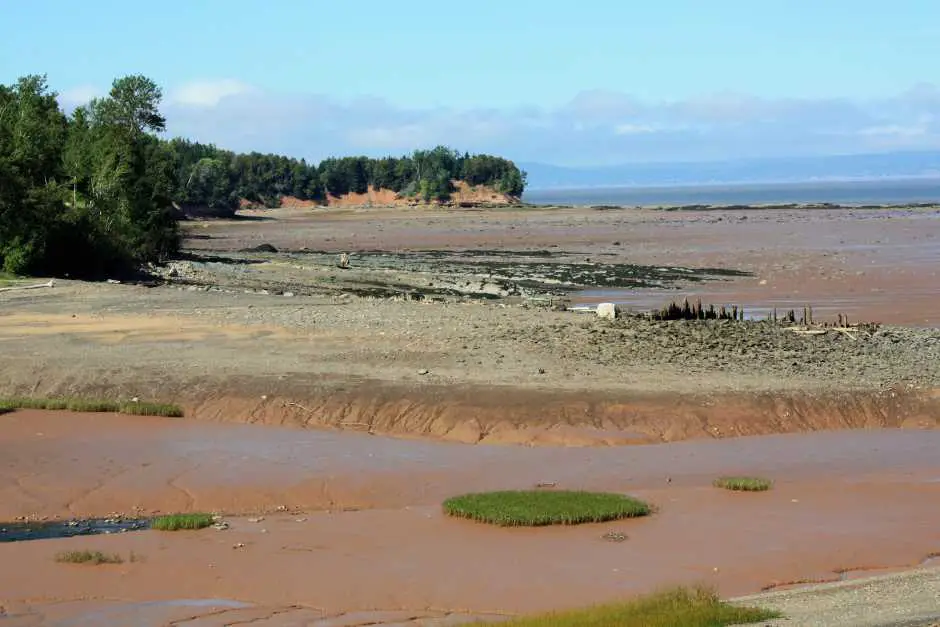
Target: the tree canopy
(96, 192)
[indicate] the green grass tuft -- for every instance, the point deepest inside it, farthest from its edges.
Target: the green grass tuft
(91, 405)
(682, 606)
(88, 557)
(181, 522)
(152, 409)
(744, 484)
(533, 508)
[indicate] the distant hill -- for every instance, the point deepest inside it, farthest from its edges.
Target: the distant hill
(770, 170)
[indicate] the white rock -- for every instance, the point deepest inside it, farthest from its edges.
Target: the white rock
(608, 311)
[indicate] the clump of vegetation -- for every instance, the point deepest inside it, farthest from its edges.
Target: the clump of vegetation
(93, 558)
(744, 484)
(533, 508)
(92, 405)
(182, 522)
(688, 311)
(686, 607)
(151, 409)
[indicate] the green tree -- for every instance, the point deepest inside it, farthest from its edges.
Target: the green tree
(32, 134)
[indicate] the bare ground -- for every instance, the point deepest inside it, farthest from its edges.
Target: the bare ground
(486, 355)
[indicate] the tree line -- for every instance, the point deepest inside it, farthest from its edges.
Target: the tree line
(219, 179)
(97, 192)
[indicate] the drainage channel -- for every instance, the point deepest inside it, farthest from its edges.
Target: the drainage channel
(47, 530)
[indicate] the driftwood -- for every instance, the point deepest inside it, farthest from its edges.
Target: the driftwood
(51, 283)
(806, 331)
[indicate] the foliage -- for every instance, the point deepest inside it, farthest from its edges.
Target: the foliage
(682, 606)
(744, 484)
(182, 522)
(207, 176)
(91, 405)
(88, 195)
(93, 558)
(97, 193)
(538, 507)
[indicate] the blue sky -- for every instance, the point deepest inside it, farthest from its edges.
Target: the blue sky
(595, 81)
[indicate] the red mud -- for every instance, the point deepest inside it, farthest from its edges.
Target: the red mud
(856, 499)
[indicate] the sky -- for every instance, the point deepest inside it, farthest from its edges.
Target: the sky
(592, 82)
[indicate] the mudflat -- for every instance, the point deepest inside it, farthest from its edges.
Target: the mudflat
(341, 522)
(343, 405)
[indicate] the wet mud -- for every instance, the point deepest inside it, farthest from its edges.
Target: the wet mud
(327, 524)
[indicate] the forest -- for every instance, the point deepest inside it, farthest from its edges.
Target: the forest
(98, 191)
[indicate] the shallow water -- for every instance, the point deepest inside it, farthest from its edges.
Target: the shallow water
(21, 531)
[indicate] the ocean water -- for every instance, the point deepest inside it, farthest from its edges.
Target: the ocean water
(869, 192)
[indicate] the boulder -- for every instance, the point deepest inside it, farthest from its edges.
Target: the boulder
(608, 311)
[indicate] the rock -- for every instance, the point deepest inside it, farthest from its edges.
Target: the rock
(608, 311)
(424, 371)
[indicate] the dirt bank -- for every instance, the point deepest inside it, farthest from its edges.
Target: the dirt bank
(467, 372)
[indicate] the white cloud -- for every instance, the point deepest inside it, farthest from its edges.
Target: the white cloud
(894, 130)
(207, 93)
(594, 128)
(635, 129)
(80, 95)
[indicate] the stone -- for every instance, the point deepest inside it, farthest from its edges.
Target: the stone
(608, 311)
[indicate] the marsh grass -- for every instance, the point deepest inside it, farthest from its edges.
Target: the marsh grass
(182, 522)
(91, 405)
(534, 508)
(743, 484)
(93, 558)
(696, 607)
(9, 280)
(152, 409)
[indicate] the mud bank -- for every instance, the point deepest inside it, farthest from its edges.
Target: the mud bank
(510, 416)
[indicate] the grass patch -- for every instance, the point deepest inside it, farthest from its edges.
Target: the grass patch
(182, 522)
(534, 508)
(93, 558)
(91, 405)
(152, 409)
(682, 606)
(744, 484)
